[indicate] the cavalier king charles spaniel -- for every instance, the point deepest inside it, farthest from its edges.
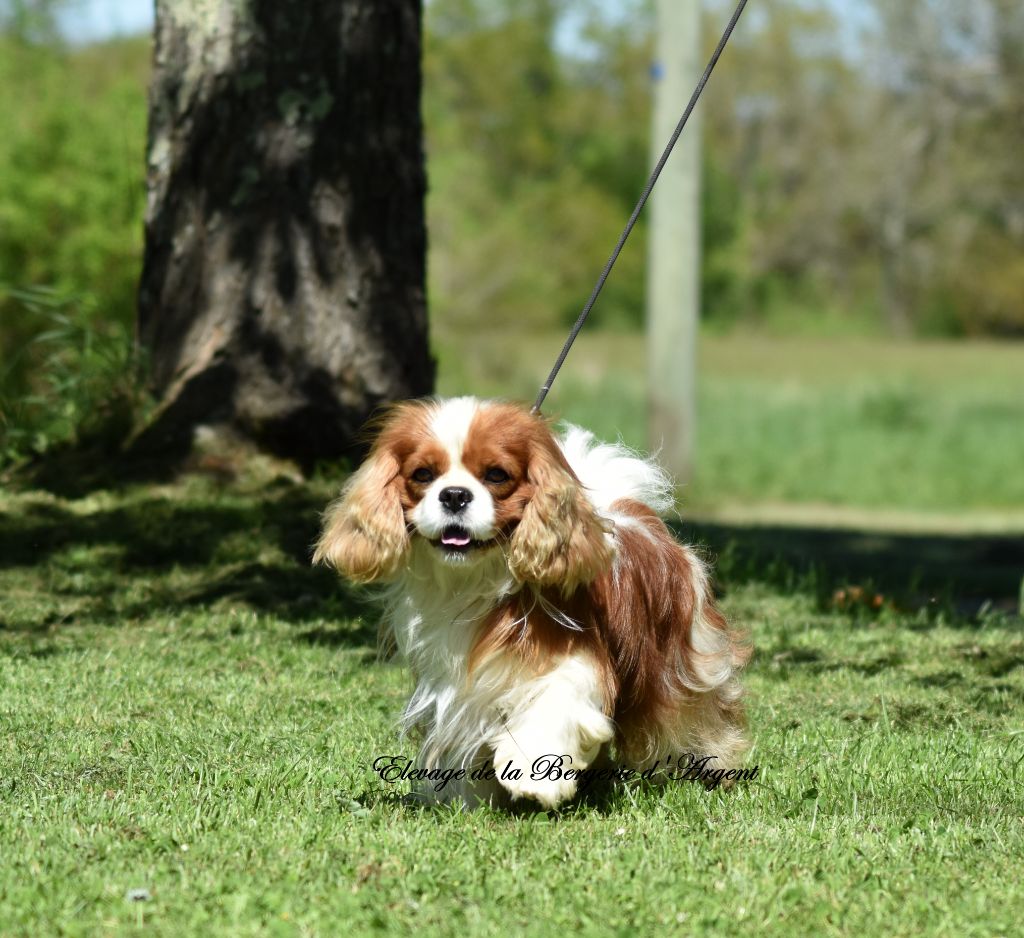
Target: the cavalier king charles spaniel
(541, 603)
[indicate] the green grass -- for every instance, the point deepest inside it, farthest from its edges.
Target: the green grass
(189, 709)
(924, 426)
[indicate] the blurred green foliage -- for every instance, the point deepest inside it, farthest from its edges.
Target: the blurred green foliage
(83, 384)
(535, 159)
(862, 168)
(855, 182)
(72, 163)
(72, 160)
(869, 423)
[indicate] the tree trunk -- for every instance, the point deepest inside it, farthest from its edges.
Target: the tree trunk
(282, 290)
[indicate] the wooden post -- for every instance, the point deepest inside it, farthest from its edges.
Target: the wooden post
(673, 273)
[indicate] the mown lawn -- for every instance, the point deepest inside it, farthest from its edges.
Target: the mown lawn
(186, 708)
(856, 423)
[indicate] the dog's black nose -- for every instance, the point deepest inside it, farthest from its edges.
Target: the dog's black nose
(455, 499)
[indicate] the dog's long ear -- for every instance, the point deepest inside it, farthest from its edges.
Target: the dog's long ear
(560, 540)
(364, 534)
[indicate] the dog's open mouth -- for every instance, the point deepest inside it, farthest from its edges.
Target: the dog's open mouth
(455, 539)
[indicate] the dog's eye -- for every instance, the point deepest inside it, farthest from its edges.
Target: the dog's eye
(496, 475)
(423, 474)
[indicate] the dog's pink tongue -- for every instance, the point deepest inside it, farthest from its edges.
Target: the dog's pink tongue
(454, 538)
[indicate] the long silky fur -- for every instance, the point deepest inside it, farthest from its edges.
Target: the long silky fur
(590, 573)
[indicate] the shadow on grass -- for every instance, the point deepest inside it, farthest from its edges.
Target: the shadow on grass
(151, 553)
(959, 574)
(163, 555)
(157, 532)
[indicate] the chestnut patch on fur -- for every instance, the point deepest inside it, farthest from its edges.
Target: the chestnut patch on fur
(503, 436)
(636, 622)
(578, 623)
(415, 455)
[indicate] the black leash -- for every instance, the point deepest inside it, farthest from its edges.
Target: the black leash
(639, 207)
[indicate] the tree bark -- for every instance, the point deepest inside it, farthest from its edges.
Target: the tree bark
(282, 291)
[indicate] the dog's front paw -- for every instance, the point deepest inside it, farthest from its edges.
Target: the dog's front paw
(541, 780)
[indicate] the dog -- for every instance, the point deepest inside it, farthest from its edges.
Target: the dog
(541, 603)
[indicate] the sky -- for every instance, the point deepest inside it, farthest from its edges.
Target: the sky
(87, 20)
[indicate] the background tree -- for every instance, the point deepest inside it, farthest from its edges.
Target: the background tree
(537, 153)
(861, 174)
(282, 290)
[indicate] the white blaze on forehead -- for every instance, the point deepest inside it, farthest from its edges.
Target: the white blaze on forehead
(450, 424)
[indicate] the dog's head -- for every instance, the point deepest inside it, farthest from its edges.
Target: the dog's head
(468, 477)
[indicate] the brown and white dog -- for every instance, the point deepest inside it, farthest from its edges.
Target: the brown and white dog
(541, 603)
